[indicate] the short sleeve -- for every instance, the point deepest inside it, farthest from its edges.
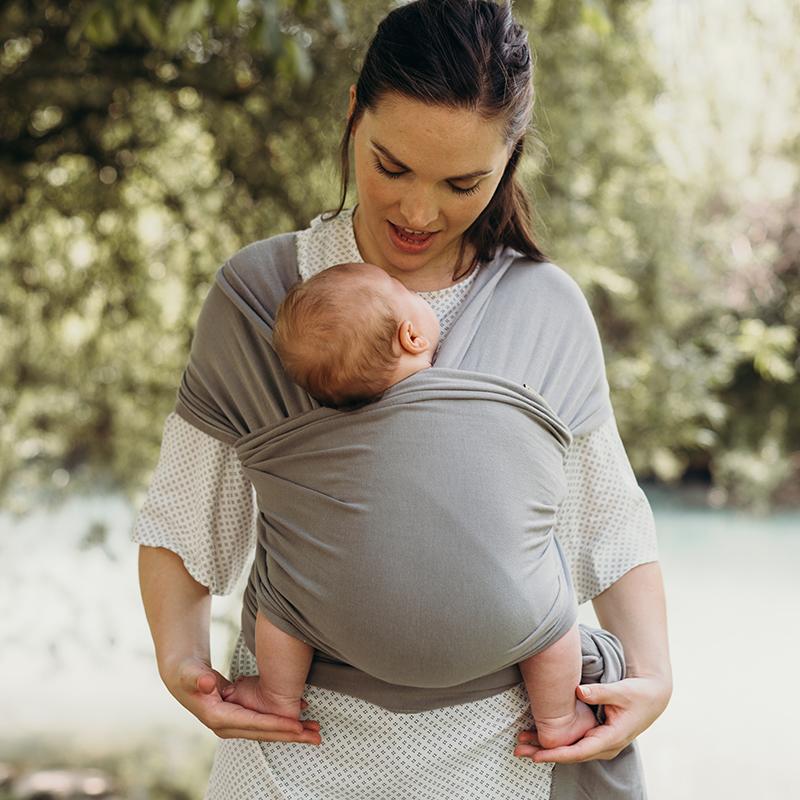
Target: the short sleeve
(201, 506)
(605, 524)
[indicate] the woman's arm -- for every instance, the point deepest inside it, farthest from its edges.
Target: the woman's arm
(198, 512)
(634, 610)
(178, 611)
(607, 530)
(200, 505)
(177, 607)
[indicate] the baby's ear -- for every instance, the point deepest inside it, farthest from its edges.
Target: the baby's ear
(404, 336)
(422, 342)
(411, 340)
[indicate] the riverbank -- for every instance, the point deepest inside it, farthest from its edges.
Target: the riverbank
(85, 692)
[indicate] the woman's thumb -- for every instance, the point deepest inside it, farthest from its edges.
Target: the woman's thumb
(206, 682)
(597, 694)
(209, 680)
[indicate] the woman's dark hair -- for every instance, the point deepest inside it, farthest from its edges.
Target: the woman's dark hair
(462, 54)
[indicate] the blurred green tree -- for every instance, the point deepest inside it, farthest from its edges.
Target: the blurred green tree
(142, 143)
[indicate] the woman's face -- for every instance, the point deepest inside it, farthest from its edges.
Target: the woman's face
(427, 168)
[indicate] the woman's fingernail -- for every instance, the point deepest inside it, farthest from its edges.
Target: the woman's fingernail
(586, 691)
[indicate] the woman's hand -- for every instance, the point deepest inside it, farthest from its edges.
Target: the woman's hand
(197, 687)
(631, 706)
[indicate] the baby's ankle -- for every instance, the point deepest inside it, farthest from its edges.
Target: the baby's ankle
(565, 729)
(554, 731)
(280, 703)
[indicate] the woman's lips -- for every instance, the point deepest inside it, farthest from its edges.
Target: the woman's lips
(407, 242)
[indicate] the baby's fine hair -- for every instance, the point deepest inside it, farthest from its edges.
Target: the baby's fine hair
(334, 335)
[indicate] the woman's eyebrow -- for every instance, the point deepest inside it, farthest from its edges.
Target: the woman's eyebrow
(477, 174)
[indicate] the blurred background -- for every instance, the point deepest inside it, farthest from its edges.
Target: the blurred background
(143, 142)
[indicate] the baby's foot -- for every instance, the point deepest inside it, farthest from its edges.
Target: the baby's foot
(558, 731)
(248, 691)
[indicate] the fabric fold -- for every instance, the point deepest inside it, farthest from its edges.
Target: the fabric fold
(522, 406)
(526, 348)
(388, 545)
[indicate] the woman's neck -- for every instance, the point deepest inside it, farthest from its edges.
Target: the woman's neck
(428, 278)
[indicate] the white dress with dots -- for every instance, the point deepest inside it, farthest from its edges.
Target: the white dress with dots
(201, 506)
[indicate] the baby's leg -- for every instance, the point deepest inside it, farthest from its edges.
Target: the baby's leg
(551, 677)
(283, 664)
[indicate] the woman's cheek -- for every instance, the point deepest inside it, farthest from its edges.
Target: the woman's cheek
(383, 192)
(466, 211)
(372, 190)
(477, 205)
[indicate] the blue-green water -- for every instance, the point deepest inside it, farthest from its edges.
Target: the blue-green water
(733, 598)
(76, 640)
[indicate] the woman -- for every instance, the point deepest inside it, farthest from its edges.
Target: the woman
(437, 123)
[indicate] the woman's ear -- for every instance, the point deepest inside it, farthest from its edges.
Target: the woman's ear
(352, 102)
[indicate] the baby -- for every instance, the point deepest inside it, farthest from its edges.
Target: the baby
(346, 335)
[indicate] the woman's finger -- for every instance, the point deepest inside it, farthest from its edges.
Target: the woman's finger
(602, 694)
(307, 737)
(195, 675)
(230, 715)
(526, 751)
(306, 734)
(207, 682)
(599, 742)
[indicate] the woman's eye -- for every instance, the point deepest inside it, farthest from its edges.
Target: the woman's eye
(386, 172)
(471, 190)
(389, 174)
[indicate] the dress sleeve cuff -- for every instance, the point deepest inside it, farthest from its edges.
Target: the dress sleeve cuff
(201, 506)
(605, 523)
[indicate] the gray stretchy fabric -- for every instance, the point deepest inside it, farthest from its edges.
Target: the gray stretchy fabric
(621, 778)
(388, 545)
(520, 372)
(523, 325)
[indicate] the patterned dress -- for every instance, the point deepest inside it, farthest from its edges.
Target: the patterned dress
(202, 507)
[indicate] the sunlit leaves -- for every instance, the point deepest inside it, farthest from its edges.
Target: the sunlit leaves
(199, 28)
(143, 143)
(769, 348)
(595, 15)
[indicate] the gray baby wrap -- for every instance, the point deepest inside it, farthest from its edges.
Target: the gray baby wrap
(439, 577)
(409, 541)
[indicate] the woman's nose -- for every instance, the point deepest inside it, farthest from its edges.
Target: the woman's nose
(419, 209)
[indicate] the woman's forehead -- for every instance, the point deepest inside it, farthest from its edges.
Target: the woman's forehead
(453, 141)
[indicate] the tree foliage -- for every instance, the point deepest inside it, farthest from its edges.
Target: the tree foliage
(142, 143)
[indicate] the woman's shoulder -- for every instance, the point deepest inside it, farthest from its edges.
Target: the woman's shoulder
(256, 262)
(553, 315)
(258, 276)
(252, 282)
(548, 289)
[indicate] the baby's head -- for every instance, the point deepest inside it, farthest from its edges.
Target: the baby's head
(351, 331)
